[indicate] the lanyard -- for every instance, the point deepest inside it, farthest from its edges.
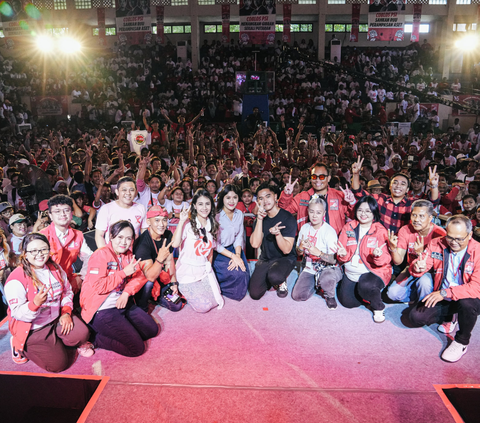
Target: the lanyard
(455, 272)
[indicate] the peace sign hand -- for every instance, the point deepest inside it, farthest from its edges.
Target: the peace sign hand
(289, 186)
(184, 213)
(419, 245)
(433, 177)
(276, 230)
(348, 195)
(392, 240)
(341, 250)
(131, 268)
(164, 252)
(261, 213)
(356, 167)
(421, 264)
(378, 251)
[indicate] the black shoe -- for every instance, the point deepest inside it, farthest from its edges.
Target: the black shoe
(331, 303)
(282, 290)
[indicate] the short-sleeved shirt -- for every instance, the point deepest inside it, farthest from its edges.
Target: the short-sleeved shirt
(112, 213)
(270, 248)
(407, 236)
(144, 248)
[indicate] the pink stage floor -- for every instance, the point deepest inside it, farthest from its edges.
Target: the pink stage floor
(276, 360)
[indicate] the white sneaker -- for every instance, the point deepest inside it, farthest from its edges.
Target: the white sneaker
(454, 352)
(86, 349)
(379, 316)
(282, 290)
(448, 327)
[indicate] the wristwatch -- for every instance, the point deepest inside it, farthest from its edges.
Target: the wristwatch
(443, 293)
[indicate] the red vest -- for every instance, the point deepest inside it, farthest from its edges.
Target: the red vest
(66, 255)
(19, 329)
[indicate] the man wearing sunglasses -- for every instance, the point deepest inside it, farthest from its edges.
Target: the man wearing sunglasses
(338, 203)
(454, 261)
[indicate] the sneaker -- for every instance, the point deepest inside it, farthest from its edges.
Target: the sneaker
(331, 303)
(448, 327)
(86, 349)
(16, 356)
(282, 290)
(454, 352)
(378, 316)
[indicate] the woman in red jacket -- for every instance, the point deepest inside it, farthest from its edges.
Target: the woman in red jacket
(362, 247)
(113, 277)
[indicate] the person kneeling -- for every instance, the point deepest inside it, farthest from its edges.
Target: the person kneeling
(316, 241)
(40, 305)
(113, 277)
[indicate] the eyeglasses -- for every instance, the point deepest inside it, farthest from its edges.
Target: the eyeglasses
(321, 177)
(457, 240)
(35, 253)
(367, 212)
(204, 233)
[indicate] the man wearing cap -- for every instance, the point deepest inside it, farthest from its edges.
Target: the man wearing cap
(66, 244)
(6, 211)
(19, 228)
(157, 135)
(337, 205)
(374, 187)
(153, 247)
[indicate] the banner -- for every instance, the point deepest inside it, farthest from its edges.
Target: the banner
(102, 38)
(160, 19)
(287, 20)
(225, 23)
(134, 22)
(355, 23)
(257, 21)
(18, 18)
(139, 140)
(55, 105)
(466, 100)
(417, 17)
(386, 20)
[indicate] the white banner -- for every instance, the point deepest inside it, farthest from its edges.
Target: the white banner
(386, 26)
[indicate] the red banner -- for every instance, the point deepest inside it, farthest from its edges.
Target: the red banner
(468, 101)
(417, 17)
(225, 23)
(287, 19)
(355, 23)
(102, 38)
(160, 18)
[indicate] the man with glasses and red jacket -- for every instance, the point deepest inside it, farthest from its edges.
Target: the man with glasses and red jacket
(339, 204)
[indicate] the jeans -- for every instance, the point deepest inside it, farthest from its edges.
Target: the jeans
(305, 286)
(354, 294)
(142, 297)
(411, 289)
(123, 330)
(268, 274)
(468, 309)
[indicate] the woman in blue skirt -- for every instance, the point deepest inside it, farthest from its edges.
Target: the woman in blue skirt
(229, 261)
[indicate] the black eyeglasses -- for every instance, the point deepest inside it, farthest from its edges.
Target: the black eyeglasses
(321, 177)
(456, 240)
(204, 233)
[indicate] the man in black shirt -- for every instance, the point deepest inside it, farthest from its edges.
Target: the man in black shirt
(274, 230)
(153, 247)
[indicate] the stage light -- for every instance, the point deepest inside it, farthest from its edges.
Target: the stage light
(467, 43)
(69, 45)
(44, 43)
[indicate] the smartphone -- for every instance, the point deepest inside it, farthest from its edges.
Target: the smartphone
(170, 296)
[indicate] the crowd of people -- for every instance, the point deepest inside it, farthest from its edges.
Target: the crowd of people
(97, 225)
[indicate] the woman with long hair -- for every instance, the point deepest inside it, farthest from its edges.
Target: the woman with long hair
(229, 261)
(40, 310)
(113, 278)
(362, 248)
(196, 234)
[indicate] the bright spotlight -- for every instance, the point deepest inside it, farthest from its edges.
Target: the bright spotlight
(69, 45)
(45, 43)
(467, 43)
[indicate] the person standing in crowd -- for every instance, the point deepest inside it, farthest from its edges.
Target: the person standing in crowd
(40, 311)
(149, 195)
(19, 228)
(229, 261)
(124, 208)
(317, 242)
(338, 207)
(454, 261)
(196, 235)
(6, 212)
(362, 248)
(412, 241)
(66, 244)
(274, 231)
(154, 248)
(114, 276)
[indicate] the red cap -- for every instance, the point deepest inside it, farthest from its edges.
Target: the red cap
(43, 205)
(156, 211)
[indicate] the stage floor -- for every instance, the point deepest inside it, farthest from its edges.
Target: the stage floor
(276, 360)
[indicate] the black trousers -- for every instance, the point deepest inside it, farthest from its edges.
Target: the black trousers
(268, 274)
(468, 309)
(369, 287)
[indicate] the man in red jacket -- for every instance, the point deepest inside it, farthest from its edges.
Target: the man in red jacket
(338, 203)
(455, 264)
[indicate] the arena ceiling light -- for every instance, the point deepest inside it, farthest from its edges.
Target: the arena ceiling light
(69, 45)
(44, 43)
(467, 43)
